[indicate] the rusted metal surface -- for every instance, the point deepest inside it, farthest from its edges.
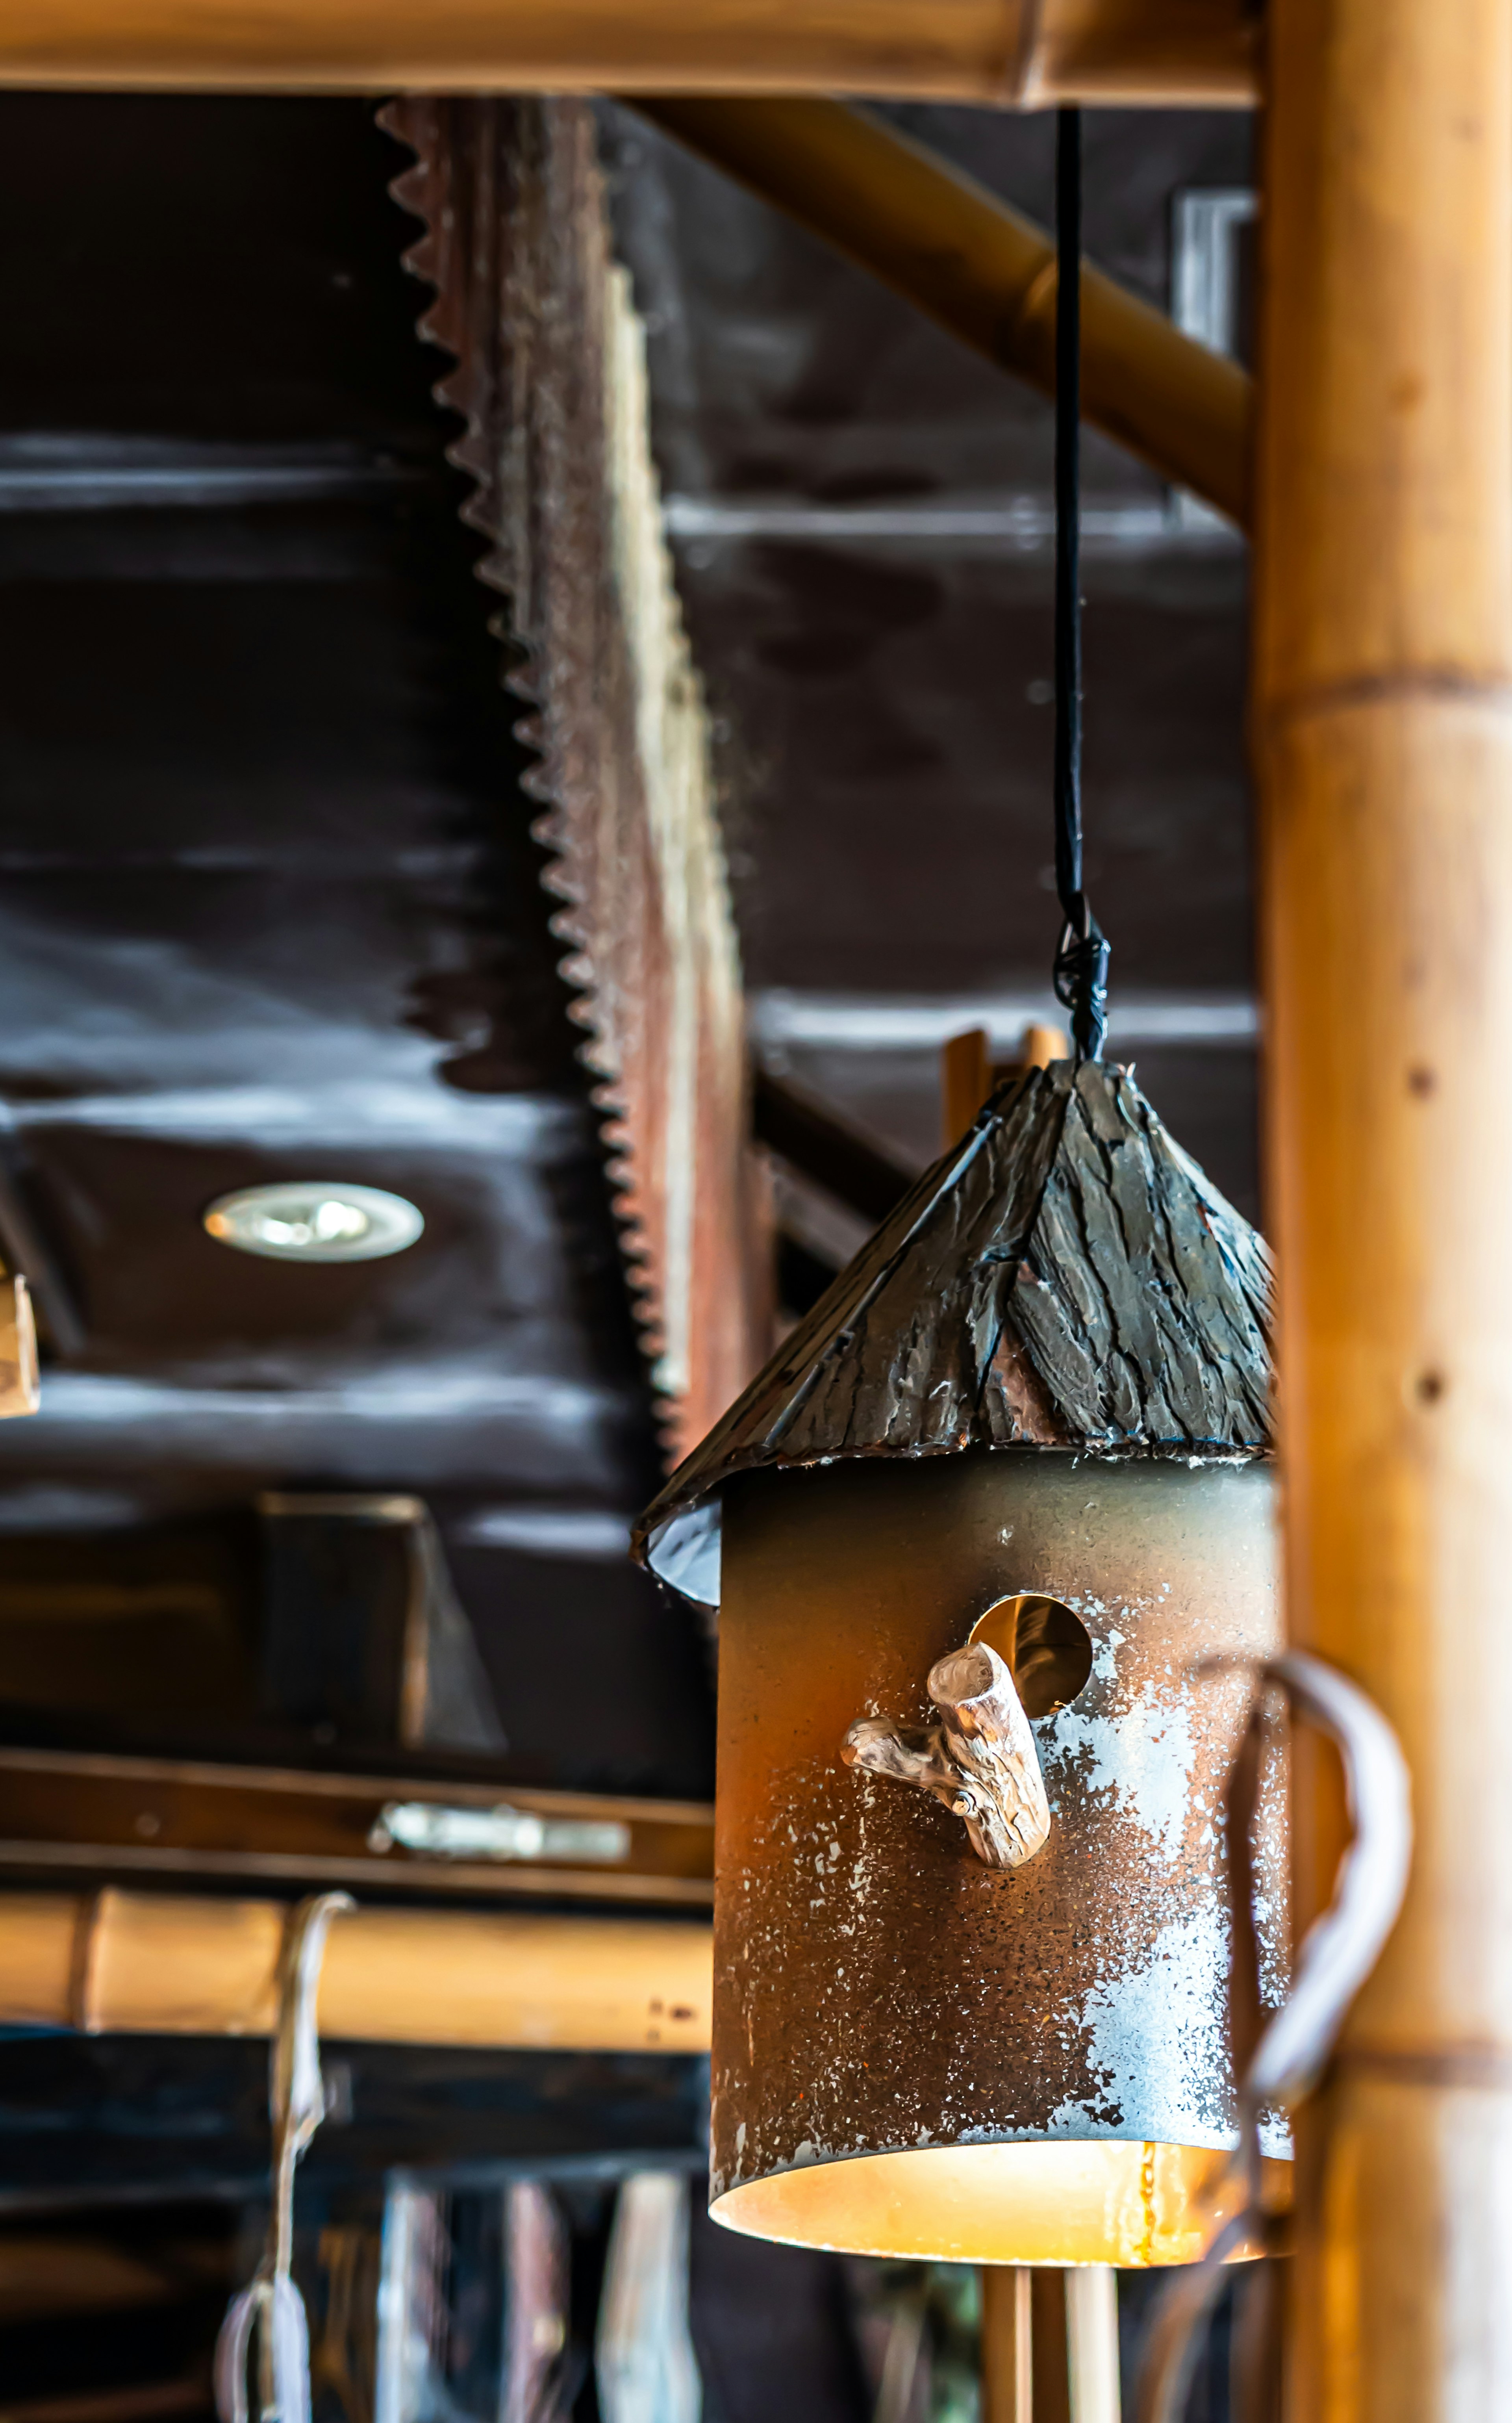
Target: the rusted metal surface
(878, 1990)
(1063, 1278)
(549, 378)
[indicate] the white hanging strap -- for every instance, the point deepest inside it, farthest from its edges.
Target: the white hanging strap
(296, 2103)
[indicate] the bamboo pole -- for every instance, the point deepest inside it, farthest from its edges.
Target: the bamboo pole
(1383, 720)
(1160, 52)
(1007, 2345)
(985, 274)
(182, 1965)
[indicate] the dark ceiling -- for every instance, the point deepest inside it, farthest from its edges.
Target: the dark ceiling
(269, 908)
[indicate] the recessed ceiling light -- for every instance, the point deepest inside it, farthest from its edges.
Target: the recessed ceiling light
(315, 1220)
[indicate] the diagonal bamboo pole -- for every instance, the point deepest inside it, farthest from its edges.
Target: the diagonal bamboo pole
(985, 273)
(1383, 721)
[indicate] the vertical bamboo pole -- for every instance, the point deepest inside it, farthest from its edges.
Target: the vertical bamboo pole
(1384, 724)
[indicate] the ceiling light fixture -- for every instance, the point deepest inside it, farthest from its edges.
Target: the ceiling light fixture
(315, 1220)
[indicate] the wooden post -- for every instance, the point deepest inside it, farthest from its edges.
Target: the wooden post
(1383, 723)
(179, 1964)
(1007, 2345)
(965, 1082)
(1051, 2364)
(968, 1072)
(1040, 1046)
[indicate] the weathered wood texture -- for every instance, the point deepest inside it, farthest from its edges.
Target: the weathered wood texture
(981, 1760)
(1064, 1277)
(1383, 720)
(550, 380)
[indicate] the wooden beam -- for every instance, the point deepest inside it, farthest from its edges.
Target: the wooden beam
(1383, 718)
(823, 1148)
(1160, 53)
(163, 1964)
(986, 274)
(189, 1821)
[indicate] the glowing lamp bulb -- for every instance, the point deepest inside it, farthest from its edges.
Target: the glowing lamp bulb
(315, 1220)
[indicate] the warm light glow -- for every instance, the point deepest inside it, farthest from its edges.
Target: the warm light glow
(1108, 2202)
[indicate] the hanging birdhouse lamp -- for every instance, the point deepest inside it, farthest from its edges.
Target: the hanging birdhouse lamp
(974, 1534)
(982, 1535)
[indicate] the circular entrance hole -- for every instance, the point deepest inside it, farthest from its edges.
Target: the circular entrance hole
(1046, 1647)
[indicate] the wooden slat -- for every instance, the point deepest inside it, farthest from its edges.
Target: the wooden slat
(101, 1817)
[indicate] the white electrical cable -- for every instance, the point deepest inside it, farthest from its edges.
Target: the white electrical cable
(270, 2302)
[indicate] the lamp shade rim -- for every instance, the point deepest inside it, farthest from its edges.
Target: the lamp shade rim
(1063, 2201)
(684, 1549)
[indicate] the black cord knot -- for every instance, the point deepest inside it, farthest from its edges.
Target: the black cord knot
(1080, 974)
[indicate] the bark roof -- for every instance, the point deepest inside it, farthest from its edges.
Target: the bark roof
(1065, 1277)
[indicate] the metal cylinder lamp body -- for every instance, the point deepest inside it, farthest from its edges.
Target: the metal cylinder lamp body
(966, 2010)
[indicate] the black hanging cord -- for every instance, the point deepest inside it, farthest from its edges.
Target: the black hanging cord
(1081, 970)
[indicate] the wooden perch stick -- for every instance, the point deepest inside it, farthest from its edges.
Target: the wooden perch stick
(981, 1760)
